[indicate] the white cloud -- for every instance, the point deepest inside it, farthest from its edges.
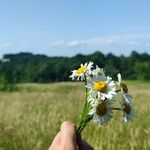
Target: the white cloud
(130, 40)
(108, 41)
(57, 43)
(133, 40)
(118, 44)
(76, 43)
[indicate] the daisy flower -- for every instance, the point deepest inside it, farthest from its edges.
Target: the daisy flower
(82, 71)
(124, 89)
(100, 92)
(128, 110)
(103, 87)
(101, 112)
(98, 71)
(91, 97)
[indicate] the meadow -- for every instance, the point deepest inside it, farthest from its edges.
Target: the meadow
(31, 116)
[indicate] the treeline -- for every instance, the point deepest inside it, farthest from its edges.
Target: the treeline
(27, 67)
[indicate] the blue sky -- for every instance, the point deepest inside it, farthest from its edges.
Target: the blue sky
(68, 27)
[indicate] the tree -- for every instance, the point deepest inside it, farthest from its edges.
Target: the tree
(142, 70)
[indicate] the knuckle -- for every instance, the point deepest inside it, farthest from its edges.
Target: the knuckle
(67, 124)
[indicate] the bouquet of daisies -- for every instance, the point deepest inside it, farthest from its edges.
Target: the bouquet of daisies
(101, 92)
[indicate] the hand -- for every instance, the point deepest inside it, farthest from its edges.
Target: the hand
(66, 139)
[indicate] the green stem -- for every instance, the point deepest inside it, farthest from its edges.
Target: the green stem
(83, 124)
(85, 118)
(85, 103)
(118, 90)
(117, 109)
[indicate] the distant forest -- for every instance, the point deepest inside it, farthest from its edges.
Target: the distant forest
(30, 68)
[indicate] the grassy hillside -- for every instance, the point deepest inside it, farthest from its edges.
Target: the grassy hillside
(30, 118)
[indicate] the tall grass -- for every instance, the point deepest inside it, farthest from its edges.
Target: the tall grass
(30, 118)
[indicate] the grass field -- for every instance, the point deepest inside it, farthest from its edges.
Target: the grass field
(30, 118)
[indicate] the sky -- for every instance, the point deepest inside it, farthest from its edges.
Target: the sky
(68, 27)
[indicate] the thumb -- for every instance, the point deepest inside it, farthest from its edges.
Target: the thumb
(68, 136)
(83, 145)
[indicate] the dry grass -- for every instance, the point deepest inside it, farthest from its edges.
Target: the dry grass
(30, 118)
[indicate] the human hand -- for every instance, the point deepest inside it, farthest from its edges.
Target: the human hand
(66, 139)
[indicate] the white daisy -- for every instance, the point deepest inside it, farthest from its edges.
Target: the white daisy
(128, 111)
(92, 98)
(103, 87)
(101, 112)
(98, 71)
(124, 89)
(82, 71)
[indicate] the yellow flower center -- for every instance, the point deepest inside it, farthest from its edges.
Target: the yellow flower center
(101, 109)
(124, 87)
(127, 108)
(100, 86)
(82, 69)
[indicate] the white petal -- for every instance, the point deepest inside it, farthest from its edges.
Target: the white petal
(119, 77)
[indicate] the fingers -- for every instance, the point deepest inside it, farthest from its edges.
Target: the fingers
(68, 136)
(56, 142)
(66, 139)
(85, 146)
